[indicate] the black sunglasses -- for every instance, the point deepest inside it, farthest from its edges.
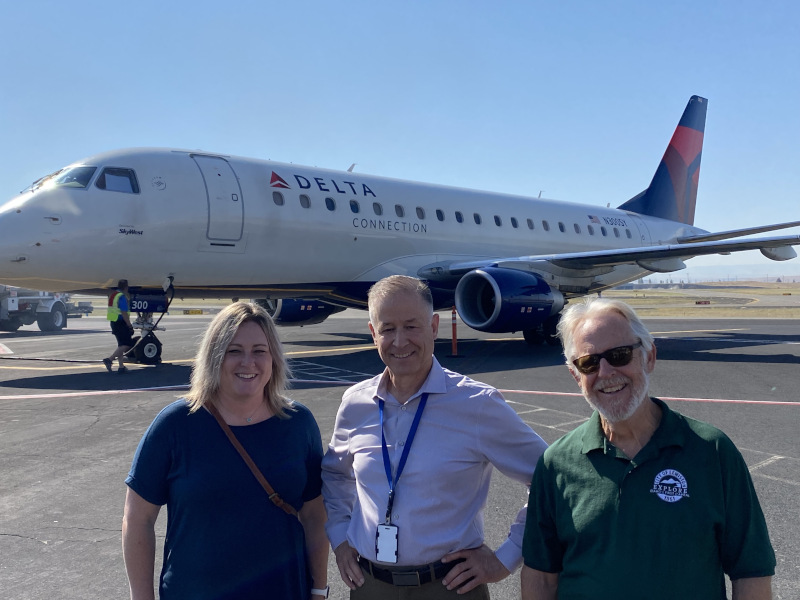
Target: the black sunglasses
(616, 357)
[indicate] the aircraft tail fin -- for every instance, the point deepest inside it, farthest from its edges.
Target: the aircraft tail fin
(672, 193)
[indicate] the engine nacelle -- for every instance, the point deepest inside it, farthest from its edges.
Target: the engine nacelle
(499, 300)
(289, 312)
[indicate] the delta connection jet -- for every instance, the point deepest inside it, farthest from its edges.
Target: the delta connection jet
(310, 242)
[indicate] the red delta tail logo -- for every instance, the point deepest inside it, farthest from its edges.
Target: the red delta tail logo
(277, 181)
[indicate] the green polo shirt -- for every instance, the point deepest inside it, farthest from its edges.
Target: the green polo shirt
(666, 524)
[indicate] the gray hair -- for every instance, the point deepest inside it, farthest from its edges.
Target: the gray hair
(575, 314)
(396, 284)
(205, 378)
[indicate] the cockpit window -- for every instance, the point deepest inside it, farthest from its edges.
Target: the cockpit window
(75, 177)
(115, 179)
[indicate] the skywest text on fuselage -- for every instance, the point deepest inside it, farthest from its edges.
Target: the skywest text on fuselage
(322, 183)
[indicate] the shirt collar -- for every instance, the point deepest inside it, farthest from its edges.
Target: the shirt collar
(669, 432)
(435, 383)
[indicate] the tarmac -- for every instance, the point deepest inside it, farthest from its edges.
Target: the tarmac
(68, 428)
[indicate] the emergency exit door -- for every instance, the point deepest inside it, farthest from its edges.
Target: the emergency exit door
(225, 204)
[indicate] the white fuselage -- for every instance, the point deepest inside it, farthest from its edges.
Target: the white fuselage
(225, 226)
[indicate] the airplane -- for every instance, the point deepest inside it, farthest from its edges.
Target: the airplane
(309, 242)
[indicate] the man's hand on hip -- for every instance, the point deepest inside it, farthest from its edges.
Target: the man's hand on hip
(481, 565)
(347, 561)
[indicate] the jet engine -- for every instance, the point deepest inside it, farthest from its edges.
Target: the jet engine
(291, 312)
(499, 300)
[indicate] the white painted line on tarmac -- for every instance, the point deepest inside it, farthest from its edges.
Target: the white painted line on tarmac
(778, 479)
(345, 382)
(768, 461)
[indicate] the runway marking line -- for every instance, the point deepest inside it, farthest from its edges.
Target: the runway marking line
(698, 331)
(768, 461)
(778, 479)
(709, 400)
(346, 382)
(85, 364)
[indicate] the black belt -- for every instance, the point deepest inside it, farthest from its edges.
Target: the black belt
(407, 576)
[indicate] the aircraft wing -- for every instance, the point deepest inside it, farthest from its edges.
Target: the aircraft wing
(661, 258)
(724, 235)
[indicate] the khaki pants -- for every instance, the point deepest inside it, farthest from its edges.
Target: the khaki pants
(378, 590)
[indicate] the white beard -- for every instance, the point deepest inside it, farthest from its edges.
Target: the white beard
(617, 411)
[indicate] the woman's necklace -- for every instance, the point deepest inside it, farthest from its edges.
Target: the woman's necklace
(250, 418)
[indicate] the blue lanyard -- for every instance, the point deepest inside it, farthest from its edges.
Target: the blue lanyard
(403, 457)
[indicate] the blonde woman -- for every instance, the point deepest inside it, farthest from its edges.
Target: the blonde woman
(225, 539)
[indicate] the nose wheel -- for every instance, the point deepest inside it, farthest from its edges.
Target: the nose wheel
(146, 350)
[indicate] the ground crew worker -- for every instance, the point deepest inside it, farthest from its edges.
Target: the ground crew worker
(119, 315)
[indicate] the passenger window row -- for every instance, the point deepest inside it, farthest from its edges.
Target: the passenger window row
(399, 211)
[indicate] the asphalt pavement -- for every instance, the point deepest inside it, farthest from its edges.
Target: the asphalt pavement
(68, 428)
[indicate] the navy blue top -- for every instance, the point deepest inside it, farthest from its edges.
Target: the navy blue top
(225, 538)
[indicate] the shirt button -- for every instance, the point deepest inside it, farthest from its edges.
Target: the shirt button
(403, 408)
(395, 518)
(402, 443)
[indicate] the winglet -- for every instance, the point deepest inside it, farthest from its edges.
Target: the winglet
(672, 193)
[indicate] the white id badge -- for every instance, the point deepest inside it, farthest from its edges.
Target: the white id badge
(386, 543)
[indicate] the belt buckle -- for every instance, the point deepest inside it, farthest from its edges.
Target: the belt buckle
(406, 579)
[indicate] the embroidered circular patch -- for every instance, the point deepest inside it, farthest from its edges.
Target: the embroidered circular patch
(670, 486)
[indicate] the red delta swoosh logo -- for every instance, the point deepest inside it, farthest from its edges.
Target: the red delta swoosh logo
(278, 182)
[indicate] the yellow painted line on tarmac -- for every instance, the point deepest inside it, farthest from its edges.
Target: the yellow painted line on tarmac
(65, 368)
(329, 351)
(88, 365)
(78, 367)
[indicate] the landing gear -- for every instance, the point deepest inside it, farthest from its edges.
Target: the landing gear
(549, 328)
(546, 332)
(146, 302)
(146, 350)
(534, 337)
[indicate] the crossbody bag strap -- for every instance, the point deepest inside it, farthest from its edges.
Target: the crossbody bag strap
(273, 495)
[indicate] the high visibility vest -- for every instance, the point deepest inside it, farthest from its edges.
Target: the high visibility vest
(114, 312)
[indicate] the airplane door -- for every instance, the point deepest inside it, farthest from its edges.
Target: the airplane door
(225, 204)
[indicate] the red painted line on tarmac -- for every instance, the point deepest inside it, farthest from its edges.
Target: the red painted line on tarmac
(709, 400)
(723, 400)
(539, 393)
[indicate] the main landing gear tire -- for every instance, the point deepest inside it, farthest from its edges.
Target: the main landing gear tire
(550, 331)
(148, 350)
(55, 320)
(534, 337)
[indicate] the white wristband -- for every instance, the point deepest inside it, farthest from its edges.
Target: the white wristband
(321, 592)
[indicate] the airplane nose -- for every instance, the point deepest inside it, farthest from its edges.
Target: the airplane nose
(13, 253)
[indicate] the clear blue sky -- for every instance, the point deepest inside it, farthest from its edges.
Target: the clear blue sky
(577, 99)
